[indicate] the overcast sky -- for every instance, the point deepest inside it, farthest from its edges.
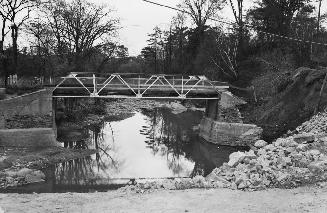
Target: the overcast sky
(138, 19)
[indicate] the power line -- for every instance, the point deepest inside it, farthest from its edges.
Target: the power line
(246, 25)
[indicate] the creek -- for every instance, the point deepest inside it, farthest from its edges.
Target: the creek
(148, 145)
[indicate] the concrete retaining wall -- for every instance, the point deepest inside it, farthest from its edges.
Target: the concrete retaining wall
(38, 137)
(36, 103)
(233, 134)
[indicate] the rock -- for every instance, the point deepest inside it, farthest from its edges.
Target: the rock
(282, 177)
(290, 150)
(199, 181)
(279, 141)
(213, 177)
(236, 158)
(250, 155)
(35, 177)
(318, 166)
(252, 134)
(323, 140)
(270, 147)
(314, 152)
(302, 147)
(285, 142)
(304, 137)
(260, 143)
(168, 184)
(176, 107)
(242, 185)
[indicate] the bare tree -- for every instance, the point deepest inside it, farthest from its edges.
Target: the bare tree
(10, 9)
(4, 32)
(82, 26)
(225, 54)
(238, 15)
(17, 12)
(202, 10)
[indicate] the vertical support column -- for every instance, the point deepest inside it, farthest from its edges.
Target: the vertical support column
(54, 113)
(95, 92)
(212, 109)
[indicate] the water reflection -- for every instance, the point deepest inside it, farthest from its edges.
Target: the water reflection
(151, 144)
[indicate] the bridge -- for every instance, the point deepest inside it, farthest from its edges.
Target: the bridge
(141, 86)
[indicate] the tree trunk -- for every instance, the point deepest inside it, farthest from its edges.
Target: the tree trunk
(319, 14)
(14, 35)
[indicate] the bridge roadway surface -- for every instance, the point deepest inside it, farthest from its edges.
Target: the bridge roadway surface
(138, 86)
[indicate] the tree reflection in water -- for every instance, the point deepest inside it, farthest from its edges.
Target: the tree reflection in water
(172, 136)
(90, 170)
(169, 137)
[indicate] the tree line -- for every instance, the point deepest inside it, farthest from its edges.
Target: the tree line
(61, 36)
(216, 48)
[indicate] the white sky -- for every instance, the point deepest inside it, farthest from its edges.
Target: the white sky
(138, 19)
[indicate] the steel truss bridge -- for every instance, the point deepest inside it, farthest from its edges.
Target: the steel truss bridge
(141, 86)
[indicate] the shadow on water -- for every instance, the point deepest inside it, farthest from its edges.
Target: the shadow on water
(151, 144)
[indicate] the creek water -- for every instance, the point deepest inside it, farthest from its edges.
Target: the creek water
(149, 144)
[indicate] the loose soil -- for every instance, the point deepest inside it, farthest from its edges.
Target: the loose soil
(304, 199)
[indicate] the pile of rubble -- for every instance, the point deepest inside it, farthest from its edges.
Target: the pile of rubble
(316, 125)
(288, 162)
(174, 184)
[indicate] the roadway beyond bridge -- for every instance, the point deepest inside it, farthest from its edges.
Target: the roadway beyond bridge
(142, 86)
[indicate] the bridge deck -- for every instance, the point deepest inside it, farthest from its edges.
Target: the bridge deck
(139, 86)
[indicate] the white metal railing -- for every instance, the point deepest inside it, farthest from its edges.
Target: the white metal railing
(138, 86)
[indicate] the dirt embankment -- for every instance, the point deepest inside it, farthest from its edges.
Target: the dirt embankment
(286, 97)
(20, 166)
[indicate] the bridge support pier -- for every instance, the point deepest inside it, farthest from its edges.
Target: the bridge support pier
(212, 109)
(223, 123)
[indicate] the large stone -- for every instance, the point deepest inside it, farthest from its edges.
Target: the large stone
(168, 184)
(214, 177)
(236, 158)
(285, 142)
(260, 143)
(314, 152)
(250, 155)
(318, 166)
(304, 137)
(302, 147)
(176, 107)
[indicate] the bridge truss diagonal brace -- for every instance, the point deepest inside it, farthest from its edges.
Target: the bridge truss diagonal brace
(73, 76)
(109, 80)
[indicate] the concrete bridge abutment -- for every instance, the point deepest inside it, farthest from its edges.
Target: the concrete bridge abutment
(38, 103)
(223, 123)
